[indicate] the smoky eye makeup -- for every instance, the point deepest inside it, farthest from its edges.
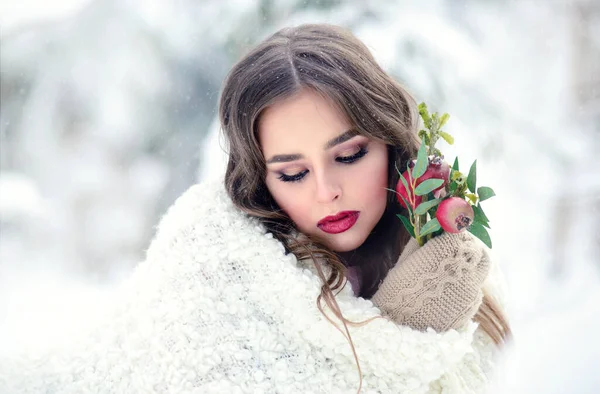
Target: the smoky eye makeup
(345, 159)
(353, 152)
(360, 151)
(292, 178)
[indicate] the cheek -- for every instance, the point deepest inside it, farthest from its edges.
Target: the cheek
(291, 201)
(373, 180)
(296, 210)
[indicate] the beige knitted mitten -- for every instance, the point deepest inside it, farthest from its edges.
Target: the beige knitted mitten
(438, 285)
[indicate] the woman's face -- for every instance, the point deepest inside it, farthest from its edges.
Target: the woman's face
(328, 179)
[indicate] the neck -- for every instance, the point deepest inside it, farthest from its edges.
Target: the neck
(351, 258)
(377, 254)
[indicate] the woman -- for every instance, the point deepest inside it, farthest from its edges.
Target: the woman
(243, 288)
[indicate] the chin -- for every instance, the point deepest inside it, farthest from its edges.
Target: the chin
(341, 243)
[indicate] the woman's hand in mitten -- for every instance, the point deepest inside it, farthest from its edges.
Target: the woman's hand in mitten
(438, 285)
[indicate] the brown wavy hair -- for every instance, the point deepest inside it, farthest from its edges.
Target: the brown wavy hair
(332, 62)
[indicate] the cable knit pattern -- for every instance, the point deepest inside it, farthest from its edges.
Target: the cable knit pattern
(218, 307)
(438, 285)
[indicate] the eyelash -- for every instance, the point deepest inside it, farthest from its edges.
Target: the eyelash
(344, 160)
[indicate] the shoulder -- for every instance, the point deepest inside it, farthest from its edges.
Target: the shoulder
(205, 205)
(197, 202)
(202, 225)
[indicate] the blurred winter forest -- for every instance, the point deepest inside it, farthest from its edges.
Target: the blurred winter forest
(108, 113)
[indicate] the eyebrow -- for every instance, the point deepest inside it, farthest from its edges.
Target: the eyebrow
(345, 136)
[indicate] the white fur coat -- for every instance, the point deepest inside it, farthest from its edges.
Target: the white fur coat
(217, 307)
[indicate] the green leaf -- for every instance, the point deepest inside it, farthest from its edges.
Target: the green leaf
(472, 197)
(422, 162)
(425, 115)
(480, 232)
(480, 216)
(485, 192)
(403, 199)
(426, 206)
(447, 137)
(443, 121)
(482, 213)
(408, 206)
(455, 165)
(436, 233)
(453, 187)
(428, 186)
(407, 225)
(431, 197)
(406, 185)
(430, 226)
(424, 135)
(472, 177)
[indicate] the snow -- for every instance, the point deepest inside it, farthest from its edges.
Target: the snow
(109, 113)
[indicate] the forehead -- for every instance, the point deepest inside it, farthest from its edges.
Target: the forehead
(304, 120)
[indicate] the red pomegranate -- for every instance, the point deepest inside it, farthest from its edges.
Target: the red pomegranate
(436, 169)
(401, 190)
(455, 215)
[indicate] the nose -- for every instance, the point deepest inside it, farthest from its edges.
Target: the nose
(327, 188)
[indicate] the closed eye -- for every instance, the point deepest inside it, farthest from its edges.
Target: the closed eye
(351, 159)
(342, 159)
(293, 178)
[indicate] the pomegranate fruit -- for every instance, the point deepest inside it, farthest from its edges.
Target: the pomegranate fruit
(436, 169)
(401, 190)
(455, 215)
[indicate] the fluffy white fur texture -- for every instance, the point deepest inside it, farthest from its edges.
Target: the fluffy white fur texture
(217, 307)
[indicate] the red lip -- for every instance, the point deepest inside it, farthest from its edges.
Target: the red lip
(339, 222)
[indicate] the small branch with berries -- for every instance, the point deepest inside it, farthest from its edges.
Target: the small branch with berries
(436, 196)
